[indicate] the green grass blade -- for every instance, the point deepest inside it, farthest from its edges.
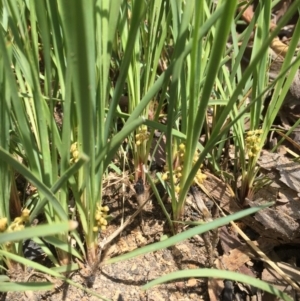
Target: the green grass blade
(32, 264)
(5, 174)
(63, 246)
(186, 234)
(166, 74)
(25, 286)
(48, 271)
(59, 183)
(66, 268)
(41, 231)
(214, 273)
(4, 155)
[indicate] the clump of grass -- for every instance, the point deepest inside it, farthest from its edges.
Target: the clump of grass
(172, 53)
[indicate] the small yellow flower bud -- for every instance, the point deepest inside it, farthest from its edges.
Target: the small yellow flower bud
(18, 220)
(165, 176)
(177, 189)
(25, 212)
(182, 146)
(75, 154)
(20, 227)
(3, 224)
(200, 177)
(105, 208)
(73, 147)
(12, 227)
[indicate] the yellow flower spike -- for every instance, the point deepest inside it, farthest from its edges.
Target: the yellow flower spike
(179, 175)
(250, 133)
(95, 229)
(104, 222)
(138, 142)
(97, 216)
(177, 189)
(103, 228)
(250, 154)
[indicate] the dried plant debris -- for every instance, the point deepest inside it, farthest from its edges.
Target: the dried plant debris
(280, 222)
(288, 169)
